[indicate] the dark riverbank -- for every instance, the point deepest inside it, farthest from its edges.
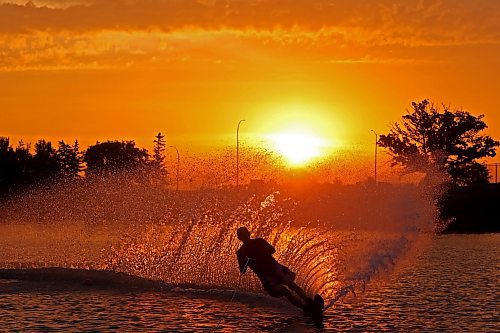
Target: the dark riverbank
(473, 209)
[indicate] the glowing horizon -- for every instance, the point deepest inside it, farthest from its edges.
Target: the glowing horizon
(97, 70)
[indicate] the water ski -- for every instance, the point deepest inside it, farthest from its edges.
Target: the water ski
(315, 308)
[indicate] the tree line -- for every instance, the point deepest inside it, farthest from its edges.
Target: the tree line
(429, 139)
(20, 167)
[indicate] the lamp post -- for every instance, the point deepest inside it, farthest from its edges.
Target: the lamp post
(376, 149)
(496, 170)
(238, 153)
(178, 163)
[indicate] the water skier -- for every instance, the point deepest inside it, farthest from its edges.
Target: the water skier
(277, 280)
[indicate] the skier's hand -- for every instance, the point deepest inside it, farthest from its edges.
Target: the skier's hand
(244, 268)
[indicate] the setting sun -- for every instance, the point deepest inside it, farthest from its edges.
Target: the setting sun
(298, 148)
(300, 130)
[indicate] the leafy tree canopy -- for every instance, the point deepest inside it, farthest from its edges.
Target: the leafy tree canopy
(45, 161)
(111, 156)
(432, 138)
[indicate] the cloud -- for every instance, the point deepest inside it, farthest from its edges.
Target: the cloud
(387, 21)
(57, 34)
(47, 3)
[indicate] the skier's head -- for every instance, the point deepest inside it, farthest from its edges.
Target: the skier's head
(243, 234)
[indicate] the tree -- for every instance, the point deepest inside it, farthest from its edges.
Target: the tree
(45, 161)
(24, 163)
(70, 160)
(16, 166)
(109, 157)
(159, 170)
(8, 165)
(78, 161)
(445, 140)
(159, 152)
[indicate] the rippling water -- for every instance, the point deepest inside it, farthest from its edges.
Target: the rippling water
(451, 286)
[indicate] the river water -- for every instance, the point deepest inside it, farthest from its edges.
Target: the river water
(451, 286)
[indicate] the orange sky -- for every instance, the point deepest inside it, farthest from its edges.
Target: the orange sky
(126, 69)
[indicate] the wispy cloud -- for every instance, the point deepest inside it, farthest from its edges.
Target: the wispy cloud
(389, 20)
(107, 33)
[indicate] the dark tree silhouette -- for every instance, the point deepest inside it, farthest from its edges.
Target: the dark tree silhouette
(70, 160)
(159, 152)
(19, 168)
(445, 140)
(107, 158)
(24, 163)
(45, 162)
(9, 171)
(159, 170)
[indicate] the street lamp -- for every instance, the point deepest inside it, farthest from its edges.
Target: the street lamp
(496, 165)
(376, 148)
(238, 153)
(178, 162)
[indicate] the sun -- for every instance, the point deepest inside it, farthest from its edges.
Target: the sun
(301, 132)
(298, 148)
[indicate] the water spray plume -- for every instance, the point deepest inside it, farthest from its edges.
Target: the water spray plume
(337, 238)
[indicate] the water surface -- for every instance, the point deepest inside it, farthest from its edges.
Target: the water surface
(453, 286)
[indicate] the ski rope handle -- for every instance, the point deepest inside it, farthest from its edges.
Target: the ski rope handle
(239, 280)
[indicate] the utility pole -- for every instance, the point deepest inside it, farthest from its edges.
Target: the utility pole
(238, 153)
(178, 163)
(376, 151)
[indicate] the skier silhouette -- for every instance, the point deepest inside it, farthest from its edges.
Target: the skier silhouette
(277, 279)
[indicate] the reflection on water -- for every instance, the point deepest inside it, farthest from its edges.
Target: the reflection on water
(452, 286)
(107, 311)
